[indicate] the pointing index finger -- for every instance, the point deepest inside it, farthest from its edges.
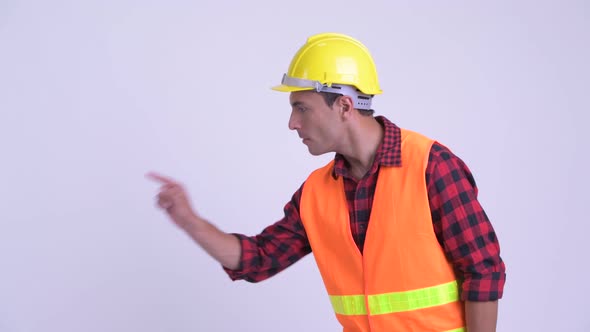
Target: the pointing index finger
(160, 178)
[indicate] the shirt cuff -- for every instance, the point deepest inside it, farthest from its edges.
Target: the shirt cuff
(481, 288)
(240, 272)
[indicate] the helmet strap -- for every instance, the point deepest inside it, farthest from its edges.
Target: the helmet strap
(361, 101)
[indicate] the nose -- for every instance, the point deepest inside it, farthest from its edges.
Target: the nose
(294, 121)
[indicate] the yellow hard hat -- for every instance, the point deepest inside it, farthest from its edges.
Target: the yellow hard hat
(333, 62)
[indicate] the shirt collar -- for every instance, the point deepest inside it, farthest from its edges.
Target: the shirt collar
(388, 153)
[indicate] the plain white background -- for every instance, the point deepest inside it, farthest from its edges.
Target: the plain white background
(94, 94)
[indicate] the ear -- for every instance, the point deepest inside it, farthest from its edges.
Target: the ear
(346, 106)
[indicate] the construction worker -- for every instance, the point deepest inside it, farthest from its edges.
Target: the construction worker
(400, 240)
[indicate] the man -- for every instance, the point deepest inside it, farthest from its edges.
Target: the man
(393, 221)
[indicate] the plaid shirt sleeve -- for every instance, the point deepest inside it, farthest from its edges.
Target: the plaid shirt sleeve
(277, 247)
(462, 227)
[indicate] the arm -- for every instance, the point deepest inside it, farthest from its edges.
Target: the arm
(223, 247)
(253, 258)
(481, 316)
(467, 237)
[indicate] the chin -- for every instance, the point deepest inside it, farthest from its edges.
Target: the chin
(314, 152)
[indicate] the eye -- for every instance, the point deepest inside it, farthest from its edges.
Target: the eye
(301, 109)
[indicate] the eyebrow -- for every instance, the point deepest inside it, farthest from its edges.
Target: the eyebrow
(297, 103)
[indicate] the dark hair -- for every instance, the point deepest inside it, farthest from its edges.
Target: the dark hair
(330, 99)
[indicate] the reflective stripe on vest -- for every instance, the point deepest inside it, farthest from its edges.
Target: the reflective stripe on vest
(388, 303)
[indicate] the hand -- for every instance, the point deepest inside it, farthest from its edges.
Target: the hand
(174, 200)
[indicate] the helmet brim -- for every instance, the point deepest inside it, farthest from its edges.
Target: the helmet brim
(287, 88)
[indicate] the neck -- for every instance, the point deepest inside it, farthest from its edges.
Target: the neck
(363, 141)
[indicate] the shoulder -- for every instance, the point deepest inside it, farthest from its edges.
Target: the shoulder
(439, 153)
(442, 163)
(322, 175)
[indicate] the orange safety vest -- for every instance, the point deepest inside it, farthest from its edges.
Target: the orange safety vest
(402, 281)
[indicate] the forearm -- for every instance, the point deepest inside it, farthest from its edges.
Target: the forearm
(481, 316)
(223, 247)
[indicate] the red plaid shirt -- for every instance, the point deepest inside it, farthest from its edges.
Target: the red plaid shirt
(460, 224)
